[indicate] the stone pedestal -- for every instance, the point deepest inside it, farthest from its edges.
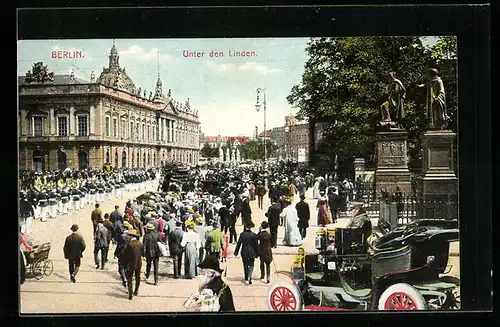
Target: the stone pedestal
(392, 162)
(438, 184)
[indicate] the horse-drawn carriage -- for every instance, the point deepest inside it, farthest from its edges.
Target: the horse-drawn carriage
(38, 263)
(405, 269)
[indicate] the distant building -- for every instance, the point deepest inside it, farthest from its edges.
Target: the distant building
(268, 134)
(292, 140)
(216, 141)
(68, 122)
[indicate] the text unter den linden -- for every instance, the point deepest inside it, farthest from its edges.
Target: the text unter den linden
(218, 54)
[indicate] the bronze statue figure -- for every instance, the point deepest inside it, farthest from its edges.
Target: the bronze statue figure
(393, 110)
(436, 101)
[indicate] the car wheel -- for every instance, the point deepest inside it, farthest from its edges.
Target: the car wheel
(284, 296)
(401, 297)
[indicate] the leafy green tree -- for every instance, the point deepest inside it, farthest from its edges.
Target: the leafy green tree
(208, 152)
(254, 149)
(345, 82)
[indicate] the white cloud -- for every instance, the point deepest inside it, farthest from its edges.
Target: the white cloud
(237, 118)
(247, 67)
(139, 53)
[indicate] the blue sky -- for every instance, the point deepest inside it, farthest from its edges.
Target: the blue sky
(223, 89)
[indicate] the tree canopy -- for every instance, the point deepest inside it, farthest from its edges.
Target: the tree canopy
(345, 81)
(254, 149)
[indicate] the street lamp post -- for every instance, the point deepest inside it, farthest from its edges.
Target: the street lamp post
(257, 107)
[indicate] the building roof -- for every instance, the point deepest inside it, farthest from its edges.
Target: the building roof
(268, 134)
(58, 80)
(224, 139)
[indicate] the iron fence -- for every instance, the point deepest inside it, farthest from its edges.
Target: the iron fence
(408, 208)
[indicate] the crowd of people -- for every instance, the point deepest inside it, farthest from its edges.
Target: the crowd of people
(191, 217)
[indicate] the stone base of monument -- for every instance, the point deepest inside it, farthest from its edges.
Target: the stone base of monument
(392, 161)
(438, 184)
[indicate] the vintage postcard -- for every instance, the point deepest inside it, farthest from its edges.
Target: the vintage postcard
(233, 175)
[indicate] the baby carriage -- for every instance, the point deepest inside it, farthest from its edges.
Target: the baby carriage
(38, 263)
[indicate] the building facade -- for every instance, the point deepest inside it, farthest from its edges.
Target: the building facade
(292, 140)
(67, 122)
(217, 141)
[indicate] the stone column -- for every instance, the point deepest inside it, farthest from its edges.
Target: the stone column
(160, 129)
(174, 131)
(52, 123)
(165, 130)
(170, 127)
(71, 123)
(392, 163)
(438, 184)
(92, 120)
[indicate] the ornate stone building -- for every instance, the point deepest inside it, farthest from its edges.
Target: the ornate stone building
(68, 122)
(292, 139)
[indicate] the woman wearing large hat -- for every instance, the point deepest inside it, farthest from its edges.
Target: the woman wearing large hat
(211, 279)
(191, 243)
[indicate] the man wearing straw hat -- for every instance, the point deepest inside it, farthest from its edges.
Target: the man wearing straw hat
(151, 251)
(132, 260)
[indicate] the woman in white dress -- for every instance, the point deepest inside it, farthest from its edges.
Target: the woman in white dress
(316, 189)
(291, 222)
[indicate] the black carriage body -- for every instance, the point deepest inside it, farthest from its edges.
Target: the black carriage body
(414, 254)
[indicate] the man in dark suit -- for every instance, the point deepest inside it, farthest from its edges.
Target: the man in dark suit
(224, 215)
(273, 218)
(132, 260)
(304, 215)
(212, 280)
(116, 215)
(175, 248)
(151, 251)
(246, 211)
(334, 202)
(73, 251)
(249, 244)
(101, 244)
(265, 252)
(95, 215)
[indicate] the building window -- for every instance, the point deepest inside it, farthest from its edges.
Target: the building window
(133, 161)
(115, 127)
(124, 128)
(131, 134)
(116, 159)
(149, 159)
(62, 126)
(82, 126)
(144, 160)
(143, 132)
(137, 132)
(108, 123)
(107, 157)
(149, 132)
(61, 159)
(37, 126)
(124, 159)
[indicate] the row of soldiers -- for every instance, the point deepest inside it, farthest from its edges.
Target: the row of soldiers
(47, 198)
